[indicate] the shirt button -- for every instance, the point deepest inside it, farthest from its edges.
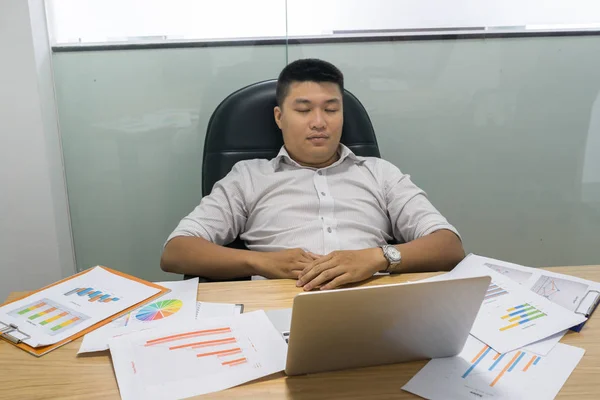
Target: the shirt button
(319, 172)
(329, 229)
(323, 194)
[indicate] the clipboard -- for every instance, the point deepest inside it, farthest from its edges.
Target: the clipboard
(8, 331)
(587, 313)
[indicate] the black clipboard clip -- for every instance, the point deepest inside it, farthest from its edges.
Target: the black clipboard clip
(6, 331)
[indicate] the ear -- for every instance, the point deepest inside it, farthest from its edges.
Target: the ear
(277, 113)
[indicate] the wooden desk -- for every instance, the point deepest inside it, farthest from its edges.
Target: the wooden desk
(60, 374)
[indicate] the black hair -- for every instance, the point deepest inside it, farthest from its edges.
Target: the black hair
(307, 70)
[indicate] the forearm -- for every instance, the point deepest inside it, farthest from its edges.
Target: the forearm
(438, 251)
(199, 257)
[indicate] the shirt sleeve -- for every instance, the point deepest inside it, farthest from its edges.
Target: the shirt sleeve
(411, 213)
(221, 216)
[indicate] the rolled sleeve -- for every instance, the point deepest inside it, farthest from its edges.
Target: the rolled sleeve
(221, 216)
(411, 213)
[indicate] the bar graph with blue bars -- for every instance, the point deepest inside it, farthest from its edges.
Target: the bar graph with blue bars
(520, 315)
(495, 365)
(477, 359)
(93, 295)
(500, 364)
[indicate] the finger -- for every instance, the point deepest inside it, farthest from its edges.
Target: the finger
(338, 281)
(328, 272)
(313, 256)
(298, 266)
(316, 263)
(311, 271)
(323, 278)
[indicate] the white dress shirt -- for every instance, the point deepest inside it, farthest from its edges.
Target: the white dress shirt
(355, 203)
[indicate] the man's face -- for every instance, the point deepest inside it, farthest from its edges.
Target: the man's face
(311, 120)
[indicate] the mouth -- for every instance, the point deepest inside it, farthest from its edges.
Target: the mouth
(318, 139)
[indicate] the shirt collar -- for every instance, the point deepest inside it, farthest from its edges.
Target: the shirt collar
(284, 156)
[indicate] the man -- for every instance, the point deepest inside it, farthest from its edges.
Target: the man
(316, 212)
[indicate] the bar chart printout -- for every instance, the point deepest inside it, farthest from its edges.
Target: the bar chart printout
(52, 317)
(480, 372)
(520, 316)
(211, 355)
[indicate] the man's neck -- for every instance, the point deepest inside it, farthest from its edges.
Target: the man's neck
(330, 161)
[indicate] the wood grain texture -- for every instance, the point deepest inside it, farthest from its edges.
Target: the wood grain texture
(63, 375)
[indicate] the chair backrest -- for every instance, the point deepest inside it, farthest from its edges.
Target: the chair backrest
(243, 127)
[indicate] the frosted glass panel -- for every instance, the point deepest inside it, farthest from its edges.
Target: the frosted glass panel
(503, 134)
(133, 125)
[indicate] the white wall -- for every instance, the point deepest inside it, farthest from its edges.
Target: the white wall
(35, 239)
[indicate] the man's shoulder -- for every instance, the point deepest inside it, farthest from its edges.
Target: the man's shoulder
(377, 164)
(253, 163)
(253, 166)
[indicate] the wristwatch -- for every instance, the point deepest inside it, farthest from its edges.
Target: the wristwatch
(393, 256)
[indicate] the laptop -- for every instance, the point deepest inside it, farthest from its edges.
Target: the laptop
(387, 324)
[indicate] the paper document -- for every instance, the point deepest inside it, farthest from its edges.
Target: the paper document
(479, 372)
(511, 316)
(544, 346)
(175, 307)
(206, 309)
(574, 294)
(60, 311)
(203, 357)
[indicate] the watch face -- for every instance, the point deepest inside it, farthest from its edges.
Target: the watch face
(394, 253)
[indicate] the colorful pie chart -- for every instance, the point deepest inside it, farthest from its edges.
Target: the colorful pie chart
(158, 310)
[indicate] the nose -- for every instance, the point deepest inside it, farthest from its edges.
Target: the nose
(318, 121)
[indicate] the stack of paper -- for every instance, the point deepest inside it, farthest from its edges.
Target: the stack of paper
(201, 357)
(513, 352)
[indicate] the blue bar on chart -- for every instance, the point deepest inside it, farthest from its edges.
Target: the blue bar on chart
(516, 362)
(477, 359)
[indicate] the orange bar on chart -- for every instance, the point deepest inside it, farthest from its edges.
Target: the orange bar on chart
(207, 343)
(479, 354)
(187, 335)
(220, 353)
(496, 356)
(507, 366)
(235, 362)
(529, 363)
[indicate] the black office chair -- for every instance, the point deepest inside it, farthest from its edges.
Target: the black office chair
(242, 127)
